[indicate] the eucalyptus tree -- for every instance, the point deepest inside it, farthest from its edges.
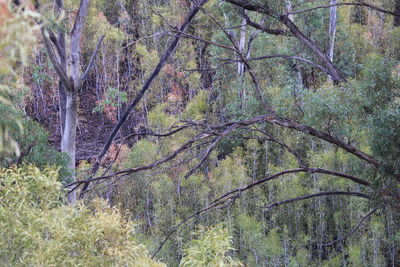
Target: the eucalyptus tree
(67, 64)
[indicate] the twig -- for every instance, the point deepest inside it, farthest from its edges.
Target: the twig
(321, 194)
(352, 231)
(91, 61)
(169, 51)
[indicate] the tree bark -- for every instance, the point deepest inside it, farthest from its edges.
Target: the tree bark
(68, 141)
(62, 52)
(332, 31)
(242, 43)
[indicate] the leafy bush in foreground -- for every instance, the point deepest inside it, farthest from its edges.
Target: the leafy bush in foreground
(39, 230)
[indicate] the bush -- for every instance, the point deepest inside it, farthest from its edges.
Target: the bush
(211, 248)
(38, 230)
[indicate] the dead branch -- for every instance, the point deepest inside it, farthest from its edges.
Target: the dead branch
(355, 229)
(305, 170)
(91, 61)
(169, 51)
(321, 194)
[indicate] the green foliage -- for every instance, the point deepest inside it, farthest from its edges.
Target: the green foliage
(386, 138)
(38, 230)
(363, 112)
(33, 142)
(197, 107)
(148, 58)
(159, 120)
(16, 39)
(378, 82)
(144, 152)
(112, 98)
(210, 248)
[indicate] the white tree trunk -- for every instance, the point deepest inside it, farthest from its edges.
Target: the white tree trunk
(332, 32)
(242, 44)
(68, 141)
(299, 75)
(68, 144)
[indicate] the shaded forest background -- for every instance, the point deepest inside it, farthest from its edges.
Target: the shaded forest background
(267, 135)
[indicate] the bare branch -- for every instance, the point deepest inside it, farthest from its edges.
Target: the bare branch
(190, 36)
(321, 194)
(282, 56)
(154, 164)
(168, 52)
(355, 229)
(324, 136)
(265, 29)
(360, 3)
(305, 170)
(91, 61)
(321, 7)
(55, 41)
(291, 124)
(284, 19)
(53, 58)
(271, 138)
(242, 57)
(378, 8)
(227, 200)
(210, 148)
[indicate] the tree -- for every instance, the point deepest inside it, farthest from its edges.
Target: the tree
(67, 65)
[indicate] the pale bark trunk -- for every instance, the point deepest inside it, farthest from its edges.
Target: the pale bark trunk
(68, 144)
(242, 43)
(332, 32)
(288, 7)
(67, 65)
(297, 69)
(63, 63)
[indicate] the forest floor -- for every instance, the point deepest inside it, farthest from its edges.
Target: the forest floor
(93, 128)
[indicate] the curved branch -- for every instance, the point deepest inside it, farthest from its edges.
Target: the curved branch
(226, 198)
(305, 40)
(168, 52)
(321, 194)
(307, 170)
(271, 138)
(265, 29)
(154, 164)
(377, 8)
(322, 135)
(91, 61)
(360, 3)
(352, 231)
(291, 124)
(229, 61)
(53, 58)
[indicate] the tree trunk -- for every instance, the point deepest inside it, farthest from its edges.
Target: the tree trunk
(297, 69)
(332, 32)
(242, 43)
(68, 143)
(62, 52)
